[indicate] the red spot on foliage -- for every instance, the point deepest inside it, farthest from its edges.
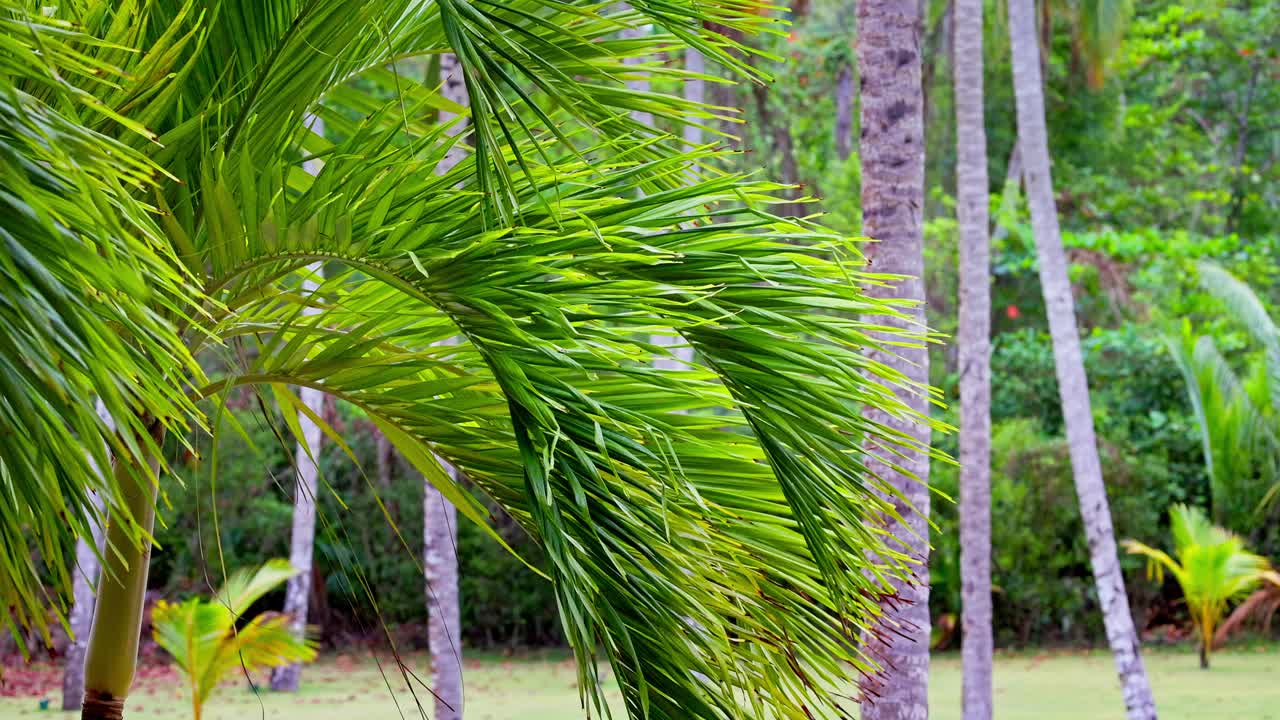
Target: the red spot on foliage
(1012, 312)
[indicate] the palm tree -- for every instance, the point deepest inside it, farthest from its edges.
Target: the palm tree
(1238, 414)
(891, 151)
(82, 599)
(1073, 387)
(302, 541)
(1212, 567)
(439, 516)
(973, 340)
(206, 644)
(710, 531)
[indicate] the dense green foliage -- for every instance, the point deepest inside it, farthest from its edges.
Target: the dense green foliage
(504, 603)
(1146, 139)
(499, 315)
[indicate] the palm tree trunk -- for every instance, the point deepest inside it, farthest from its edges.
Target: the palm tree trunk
(892, 156)
(695, 90)
(974, 341)
(440, 538)
(844, 112)
(303, 538)
(302, 543)
(386, 460)
(1072, 384)
(439, 516)
(639, 84)
(112, 656)
(81, 619)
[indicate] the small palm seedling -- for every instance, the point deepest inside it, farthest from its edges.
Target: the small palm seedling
(206, 643)
(1212, 567)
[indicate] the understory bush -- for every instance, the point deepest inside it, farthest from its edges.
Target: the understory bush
(368, 565)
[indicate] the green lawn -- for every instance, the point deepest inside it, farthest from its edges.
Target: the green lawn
(1243, 685)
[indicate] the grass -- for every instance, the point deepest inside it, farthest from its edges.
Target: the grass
(1046, 686)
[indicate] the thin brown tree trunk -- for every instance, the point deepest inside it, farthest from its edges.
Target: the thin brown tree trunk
(892, 156)
(81, 618)
(386, 460)
(302, 541)
(1072, 384)
(974, 345)
(440, 518)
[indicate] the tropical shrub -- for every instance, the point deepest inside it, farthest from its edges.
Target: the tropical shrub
(1238, 412)
(504, 602)
(1040, 560)
(208, 640)
(1211, 565)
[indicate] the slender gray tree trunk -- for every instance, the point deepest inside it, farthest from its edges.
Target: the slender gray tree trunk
(695, 91)
(82, 596)
(844, 112)
(892, 156)
(440, 517)
(639, 84)
(1072, 384)
(302, 542)
(974, 341)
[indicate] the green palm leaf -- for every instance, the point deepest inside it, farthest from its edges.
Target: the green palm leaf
(203, 638)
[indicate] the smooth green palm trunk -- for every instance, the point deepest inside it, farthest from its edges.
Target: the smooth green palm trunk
(117, 623)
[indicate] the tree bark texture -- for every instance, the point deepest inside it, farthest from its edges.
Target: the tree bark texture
(440, 538)
(1072, 384)
(891, 151)
(974, 341)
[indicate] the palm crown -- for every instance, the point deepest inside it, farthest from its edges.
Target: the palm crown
(713, 529)
(1210, 564)
(205, 643)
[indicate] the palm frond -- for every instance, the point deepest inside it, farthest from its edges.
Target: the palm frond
(714, 528)
(1099, 30)
(1239, 436)
(86, 284)
(1242, 304)
(245, 586)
